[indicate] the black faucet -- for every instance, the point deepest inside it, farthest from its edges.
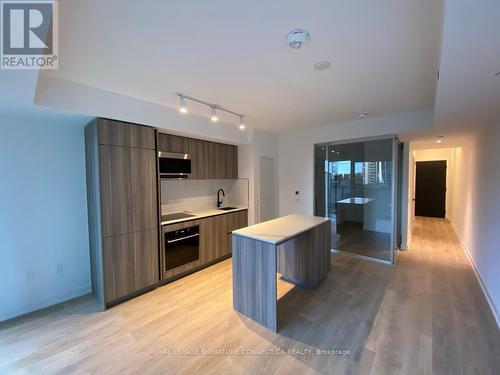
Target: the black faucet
(219, 200)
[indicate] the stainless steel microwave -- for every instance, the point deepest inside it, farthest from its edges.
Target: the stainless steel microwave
(174, 165)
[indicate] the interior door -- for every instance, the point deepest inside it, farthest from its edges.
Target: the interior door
(430, 189)
(267, 189)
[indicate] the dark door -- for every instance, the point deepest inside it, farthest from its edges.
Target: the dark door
(430, 189)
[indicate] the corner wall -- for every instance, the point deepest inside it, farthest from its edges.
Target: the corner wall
(43, 211)
(475, 206)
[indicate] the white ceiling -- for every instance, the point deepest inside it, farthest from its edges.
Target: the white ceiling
(384, 55)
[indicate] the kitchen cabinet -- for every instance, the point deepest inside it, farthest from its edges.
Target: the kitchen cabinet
(212, 160)
(130, 263)
(212, 234)
(122, 196)
(128, 189)
(215, 234)
(199, 152)
(234, 220)
(118, 133)
(173, 143)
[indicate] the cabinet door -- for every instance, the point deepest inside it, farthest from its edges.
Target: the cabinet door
(173, 143)
(215, 168)
(144, 189)
(234, 220)
(199, 152)
(231, 161)
(146, 258)
(212, 238)
(116, 133)
(116, 190)
(130, 263)
(128, 190)
(118, 266)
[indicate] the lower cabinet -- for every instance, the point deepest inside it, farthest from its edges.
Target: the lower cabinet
(130, 263)
(215, 234)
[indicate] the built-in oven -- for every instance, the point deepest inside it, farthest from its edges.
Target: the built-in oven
(174, 165)
(181, 246)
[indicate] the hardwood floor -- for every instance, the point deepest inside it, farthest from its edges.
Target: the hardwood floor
(425, 315)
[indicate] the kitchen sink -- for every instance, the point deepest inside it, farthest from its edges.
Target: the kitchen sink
(227, 208)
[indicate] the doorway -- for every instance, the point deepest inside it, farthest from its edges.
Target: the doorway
(430, 188)
(268, 209)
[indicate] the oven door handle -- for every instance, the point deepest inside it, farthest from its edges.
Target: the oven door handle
(183, 238)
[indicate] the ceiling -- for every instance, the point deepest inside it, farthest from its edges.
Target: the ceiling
(384, 55)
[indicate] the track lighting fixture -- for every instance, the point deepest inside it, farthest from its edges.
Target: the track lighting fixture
(213, 109)
(213, 115)
(182, 104)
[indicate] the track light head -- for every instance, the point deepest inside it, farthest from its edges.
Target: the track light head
(213, 116)
(182, 104)
(242, 122)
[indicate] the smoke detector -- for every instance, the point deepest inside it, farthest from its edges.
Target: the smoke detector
(297, 37)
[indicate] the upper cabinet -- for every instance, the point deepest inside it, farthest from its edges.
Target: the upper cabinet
(173, 143)
(117, 133)
(211, 160)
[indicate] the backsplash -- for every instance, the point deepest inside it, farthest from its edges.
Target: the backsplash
(196, 195)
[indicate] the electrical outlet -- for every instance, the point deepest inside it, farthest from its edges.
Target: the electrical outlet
(59, 269)
(29, 275)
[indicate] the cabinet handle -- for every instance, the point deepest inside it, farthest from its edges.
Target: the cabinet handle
(183, 238)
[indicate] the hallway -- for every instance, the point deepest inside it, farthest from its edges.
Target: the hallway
(434, 317)
(425, 315)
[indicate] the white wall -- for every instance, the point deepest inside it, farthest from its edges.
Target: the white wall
(262, 144)
(475, 206)
(433, 155)
(43, 211)
(296, 152)
(195, 195)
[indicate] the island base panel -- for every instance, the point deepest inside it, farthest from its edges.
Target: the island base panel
(254, 280)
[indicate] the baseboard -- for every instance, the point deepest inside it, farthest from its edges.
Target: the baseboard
(476, 272)
(43, 303)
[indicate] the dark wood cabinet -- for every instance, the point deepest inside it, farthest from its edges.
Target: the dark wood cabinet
(234, 220)
(212, 160)
(173, 143)
(117, 133)
(231, 162)
(215, 234)
(199, 152)
(122, 190)
(130, 263)
(128, 189)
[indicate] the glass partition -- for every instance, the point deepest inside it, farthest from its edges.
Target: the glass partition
(354, 186)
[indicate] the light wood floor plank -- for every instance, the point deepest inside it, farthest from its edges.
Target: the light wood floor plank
(426, 315)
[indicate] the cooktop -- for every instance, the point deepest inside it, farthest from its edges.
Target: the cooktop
(176, 216)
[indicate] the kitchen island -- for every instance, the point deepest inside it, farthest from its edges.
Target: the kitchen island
(296, 246)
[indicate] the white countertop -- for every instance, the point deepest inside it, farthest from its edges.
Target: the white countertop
(199, 214)
(281, 229)
(356, 201)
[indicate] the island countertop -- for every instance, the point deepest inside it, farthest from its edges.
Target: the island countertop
(280, 229)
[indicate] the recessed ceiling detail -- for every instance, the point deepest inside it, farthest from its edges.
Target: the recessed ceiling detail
(244, 66)
(322, 65)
